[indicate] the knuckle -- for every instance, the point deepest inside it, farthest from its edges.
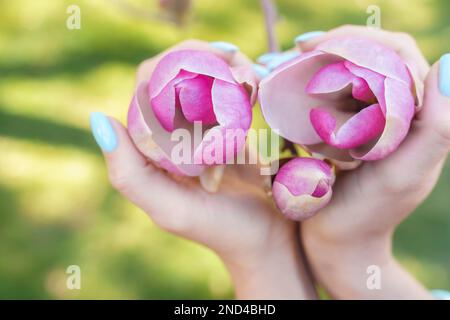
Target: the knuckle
(144, 64)
(118, 179)
(398, 185)
(172, 221)
(443, 130)
(406, 185)
(406, 38)
(143, 69)
(346, 28)
(190, 42)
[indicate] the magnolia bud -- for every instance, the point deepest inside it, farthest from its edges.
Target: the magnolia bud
(302, 187)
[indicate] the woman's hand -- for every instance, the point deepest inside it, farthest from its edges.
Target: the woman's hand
(239, 222)
(354, 231)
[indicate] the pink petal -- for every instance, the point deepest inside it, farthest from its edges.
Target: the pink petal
(325, 151)
(142, 137)
(284, 101)
(220, 145)
(302, 175)
(231, 105)
(374, 80)
(163, 104)
(361, 90)
(368, 54)
(418, 85)
(331, 78)
(363, 127)
(195, 99)
(246, 77)
(152, 139)
(299, 208)
(336, 77)
(321, 189)
(399, 113)
(194, 61)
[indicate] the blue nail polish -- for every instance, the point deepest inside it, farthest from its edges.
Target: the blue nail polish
(282, 58)
(267, 57)
(103, 132)
(444, 75)
(308, 36)
(225, 46)
(261, 71)
(441, 294)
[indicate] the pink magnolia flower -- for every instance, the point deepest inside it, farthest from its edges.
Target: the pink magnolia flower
(302, 187)
(350, 98)
(187, 87)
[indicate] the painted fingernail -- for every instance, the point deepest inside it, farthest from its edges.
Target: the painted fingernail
(225, 46)
(267, 57)
(441, 294)
(308, 36)
(261, 71)
(103, 132)
(444, 75)
(282, 58)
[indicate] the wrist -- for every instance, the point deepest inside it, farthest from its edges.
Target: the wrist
(350, 246)
(278, 272)
(362, 269)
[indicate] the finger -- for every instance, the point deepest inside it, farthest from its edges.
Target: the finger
(129, 171)
(428, 143)
(402, 43)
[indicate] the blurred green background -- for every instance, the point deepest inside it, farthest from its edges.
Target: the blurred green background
(56, 206)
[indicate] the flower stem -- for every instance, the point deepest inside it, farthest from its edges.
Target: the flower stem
(270, 17)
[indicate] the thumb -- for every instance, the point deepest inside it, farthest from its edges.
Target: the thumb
(428, 143)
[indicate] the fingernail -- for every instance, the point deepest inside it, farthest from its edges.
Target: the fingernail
(225, 46)
(308, 36)
(267, 57)
(441, 294)
(444, 75)
(261, 71)
(103, 132)
(282, 58)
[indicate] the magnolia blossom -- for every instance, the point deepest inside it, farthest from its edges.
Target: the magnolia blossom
(302, 187)
(350, 98)
(186, 88)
